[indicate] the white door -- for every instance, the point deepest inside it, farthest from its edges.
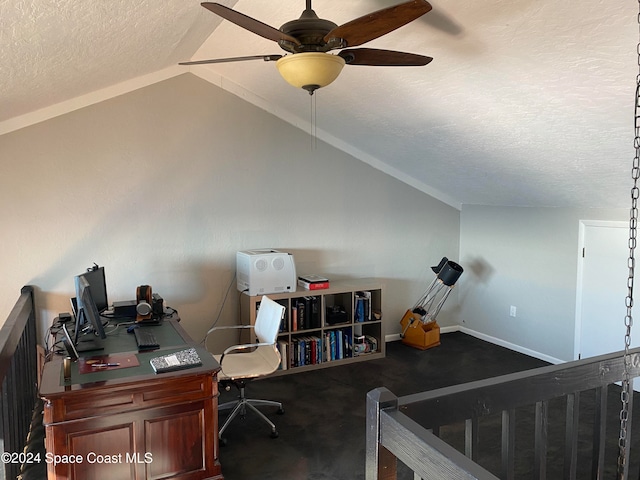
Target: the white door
(602, 289)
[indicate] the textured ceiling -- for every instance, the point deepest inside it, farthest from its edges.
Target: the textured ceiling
(54, 50)
(527, 102)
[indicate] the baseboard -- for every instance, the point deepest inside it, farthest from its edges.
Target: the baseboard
(395, 337)
(511, 346)
(392, 338)
(488, 338)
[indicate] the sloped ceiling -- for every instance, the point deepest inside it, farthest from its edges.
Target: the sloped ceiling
(527, 102)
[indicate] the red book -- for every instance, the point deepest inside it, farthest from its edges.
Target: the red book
(314, 286)
(313, 282)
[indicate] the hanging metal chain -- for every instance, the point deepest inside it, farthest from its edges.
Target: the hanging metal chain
(628, 319)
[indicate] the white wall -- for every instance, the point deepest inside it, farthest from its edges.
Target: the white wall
(164, 184)
(528, 258)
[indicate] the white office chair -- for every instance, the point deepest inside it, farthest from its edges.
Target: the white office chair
(241, 363)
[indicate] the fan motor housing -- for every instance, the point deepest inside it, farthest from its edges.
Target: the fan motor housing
(310, 31)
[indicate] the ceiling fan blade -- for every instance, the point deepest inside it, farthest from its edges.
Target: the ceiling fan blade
(266, 58)
(249, 23)
(374, 25)
(383, 58)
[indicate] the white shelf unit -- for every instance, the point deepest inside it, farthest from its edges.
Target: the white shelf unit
(331, 315)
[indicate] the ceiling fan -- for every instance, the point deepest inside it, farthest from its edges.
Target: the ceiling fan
(309, 38)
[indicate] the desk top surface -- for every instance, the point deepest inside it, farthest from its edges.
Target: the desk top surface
(171, 337)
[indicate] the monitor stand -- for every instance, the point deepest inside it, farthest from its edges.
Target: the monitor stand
(88, 345)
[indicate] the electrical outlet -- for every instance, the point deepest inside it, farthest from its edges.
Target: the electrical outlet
(512, 311)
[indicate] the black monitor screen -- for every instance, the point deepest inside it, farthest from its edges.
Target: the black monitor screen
(87, 311)
(96, 279)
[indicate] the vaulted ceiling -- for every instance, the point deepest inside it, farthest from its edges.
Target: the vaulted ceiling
(526, 103)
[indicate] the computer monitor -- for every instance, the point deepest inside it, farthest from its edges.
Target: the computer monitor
(97, 282)
(68, 343)
(87, 310)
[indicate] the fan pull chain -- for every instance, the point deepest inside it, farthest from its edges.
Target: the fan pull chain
(313, 122)
(624, 440)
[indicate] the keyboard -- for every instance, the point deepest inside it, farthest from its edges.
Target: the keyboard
(145, 339)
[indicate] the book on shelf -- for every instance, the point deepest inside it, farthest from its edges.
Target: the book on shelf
(306, 350)
(362, 306)
(348, 343)
(301, 307)
(338, 344)
(313, 312)
(294, 318)
(305, 313)
(284, 323)
(313, 282)
(283, 348)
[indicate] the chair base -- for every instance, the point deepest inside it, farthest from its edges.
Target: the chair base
(239, 407)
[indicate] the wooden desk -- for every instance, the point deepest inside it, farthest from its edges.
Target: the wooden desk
(132, 423)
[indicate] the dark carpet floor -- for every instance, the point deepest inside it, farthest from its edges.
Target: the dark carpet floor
(322, 433)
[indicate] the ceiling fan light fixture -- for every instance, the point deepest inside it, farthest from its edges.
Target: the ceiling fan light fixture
(310, 70)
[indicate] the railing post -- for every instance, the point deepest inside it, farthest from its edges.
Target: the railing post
(540, 440)
(380, 463)
(508, 443)
(599, 433)
(571, 436)
(471, 438)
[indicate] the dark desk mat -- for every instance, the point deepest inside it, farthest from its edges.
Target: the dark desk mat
(119, 341)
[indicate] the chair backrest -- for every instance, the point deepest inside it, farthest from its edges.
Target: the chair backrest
(268, 320)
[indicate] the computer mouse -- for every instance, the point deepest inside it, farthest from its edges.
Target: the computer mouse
(131, 328)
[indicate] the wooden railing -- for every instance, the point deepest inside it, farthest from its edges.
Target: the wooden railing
(408, 428)
(18, 373)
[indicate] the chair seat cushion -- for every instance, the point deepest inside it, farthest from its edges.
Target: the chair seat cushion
(262, 361)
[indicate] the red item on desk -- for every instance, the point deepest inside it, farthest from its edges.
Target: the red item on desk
(107, 362)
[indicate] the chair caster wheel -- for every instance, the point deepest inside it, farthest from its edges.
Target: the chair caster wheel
(281, 411)
(274, 434)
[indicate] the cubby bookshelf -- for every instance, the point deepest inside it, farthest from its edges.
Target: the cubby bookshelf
(328, 327)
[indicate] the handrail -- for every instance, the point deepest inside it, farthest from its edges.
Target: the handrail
(11, 330)
(18, 377)
(406, 428)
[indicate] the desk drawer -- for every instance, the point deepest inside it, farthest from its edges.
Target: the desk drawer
(111, 400)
